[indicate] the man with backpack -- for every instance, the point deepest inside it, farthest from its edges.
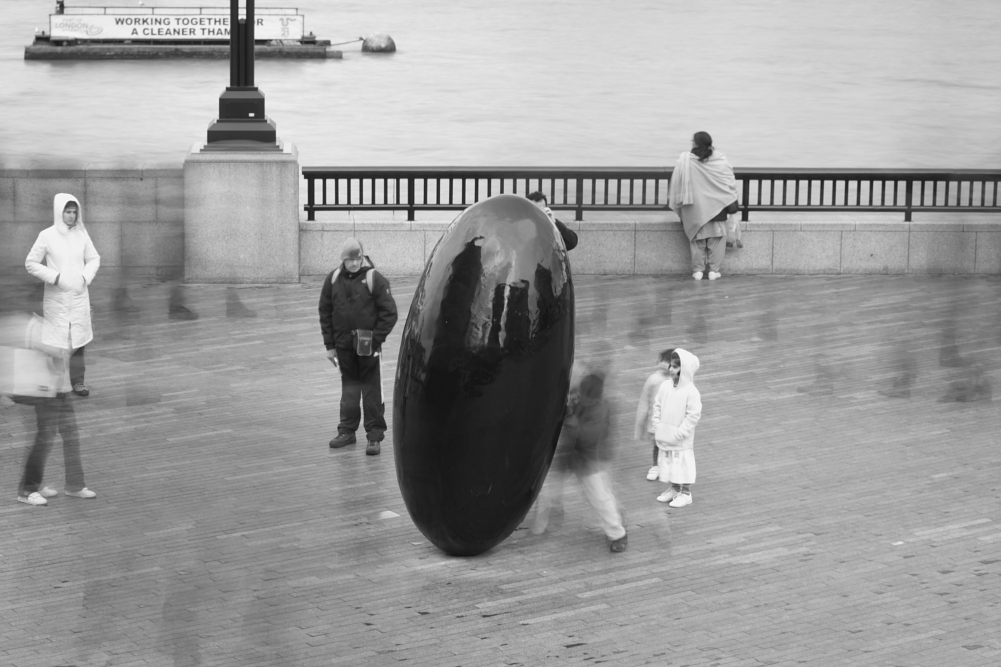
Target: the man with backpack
(357, 312)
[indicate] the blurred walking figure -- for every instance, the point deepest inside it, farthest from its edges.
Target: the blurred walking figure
(586, 450)
(676, 411)
(644, 411)
(357, 313)
(703, 193)
(176, 308)
(64, 258)
(235, 307)
(569, 236)
(54, 416)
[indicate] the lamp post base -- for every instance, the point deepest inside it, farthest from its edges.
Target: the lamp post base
(261, 131)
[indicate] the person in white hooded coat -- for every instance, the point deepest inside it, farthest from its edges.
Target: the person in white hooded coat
(64, 258)
(676, 411)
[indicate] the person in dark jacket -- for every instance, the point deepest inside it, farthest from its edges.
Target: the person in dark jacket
(569, 236)
(357, 312)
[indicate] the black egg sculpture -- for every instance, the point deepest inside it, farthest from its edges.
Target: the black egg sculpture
(483, 375)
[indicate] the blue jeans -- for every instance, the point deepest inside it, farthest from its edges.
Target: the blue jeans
(55, 416)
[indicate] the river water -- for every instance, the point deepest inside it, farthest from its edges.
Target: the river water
(778, 83)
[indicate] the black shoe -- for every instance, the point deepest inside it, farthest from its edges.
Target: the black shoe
(373, 448)
(80, 389)
(619, 545)
(182, 313)
(343, 440)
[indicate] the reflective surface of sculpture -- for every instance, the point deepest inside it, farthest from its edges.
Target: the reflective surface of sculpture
(483, 375)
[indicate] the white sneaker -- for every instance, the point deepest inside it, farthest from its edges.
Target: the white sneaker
(653, 473)
(715, 275)
(34, 498)
(667, 496)
(48, 492)
(681, 500)
(697, 275)
(82, 493)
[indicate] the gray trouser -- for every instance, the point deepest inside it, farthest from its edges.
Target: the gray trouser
(713, 246)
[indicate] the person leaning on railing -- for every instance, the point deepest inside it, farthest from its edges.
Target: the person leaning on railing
(703, 192)
(569, 237)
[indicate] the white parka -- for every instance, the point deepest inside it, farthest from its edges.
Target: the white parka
(677, 410)
(69, 255)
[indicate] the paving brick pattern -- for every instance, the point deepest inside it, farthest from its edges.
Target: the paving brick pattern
(846, 510)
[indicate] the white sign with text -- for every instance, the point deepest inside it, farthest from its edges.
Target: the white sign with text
(172, 27)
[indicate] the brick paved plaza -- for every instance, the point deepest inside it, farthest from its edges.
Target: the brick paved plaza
(846, 511)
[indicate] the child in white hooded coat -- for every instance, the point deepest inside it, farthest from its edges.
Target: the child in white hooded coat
(676, 411)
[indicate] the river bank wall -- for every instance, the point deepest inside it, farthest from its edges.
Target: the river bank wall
(136, 219)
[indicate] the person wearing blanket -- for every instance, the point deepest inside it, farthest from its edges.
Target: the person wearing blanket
(703, 192)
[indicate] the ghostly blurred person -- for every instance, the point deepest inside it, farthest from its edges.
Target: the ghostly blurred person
(585, 448)
(54, 416)
(643, 430)
(65, 260)
(235, 307)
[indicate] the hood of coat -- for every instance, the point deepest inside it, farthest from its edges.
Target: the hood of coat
(58, 204)
(689, 365)
(366, 264)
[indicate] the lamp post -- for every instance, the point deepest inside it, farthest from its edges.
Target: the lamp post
(242, 124)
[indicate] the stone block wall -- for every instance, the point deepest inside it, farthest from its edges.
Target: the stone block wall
(134, 216)
(774, 243)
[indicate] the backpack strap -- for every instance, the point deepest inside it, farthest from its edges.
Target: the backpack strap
(369, 278)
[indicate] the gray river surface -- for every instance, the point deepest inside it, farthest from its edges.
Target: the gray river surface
(778, 83)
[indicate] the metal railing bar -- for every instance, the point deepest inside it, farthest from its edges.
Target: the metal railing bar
(602, 180)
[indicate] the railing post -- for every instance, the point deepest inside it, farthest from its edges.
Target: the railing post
(410, 198)
(744, 211)
(908, 194)
(580, 199)
(310, 198)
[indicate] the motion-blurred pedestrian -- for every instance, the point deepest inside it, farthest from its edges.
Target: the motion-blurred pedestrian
(585, 448)
(54, 416)
(644, 430)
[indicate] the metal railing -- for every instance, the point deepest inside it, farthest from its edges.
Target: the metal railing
(583, 189)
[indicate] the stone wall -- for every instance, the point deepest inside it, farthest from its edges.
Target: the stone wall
(134, 216)
(774, 243)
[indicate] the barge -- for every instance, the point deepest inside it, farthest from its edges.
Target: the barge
(144, 33)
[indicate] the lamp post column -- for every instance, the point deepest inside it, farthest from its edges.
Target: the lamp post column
(241, 187)
(242, 122)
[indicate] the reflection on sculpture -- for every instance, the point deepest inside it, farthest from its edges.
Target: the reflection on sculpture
(483, 375)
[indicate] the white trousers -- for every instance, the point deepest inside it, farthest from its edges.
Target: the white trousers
(597, 490)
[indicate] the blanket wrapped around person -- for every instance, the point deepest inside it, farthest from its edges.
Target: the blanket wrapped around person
(701, 190)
